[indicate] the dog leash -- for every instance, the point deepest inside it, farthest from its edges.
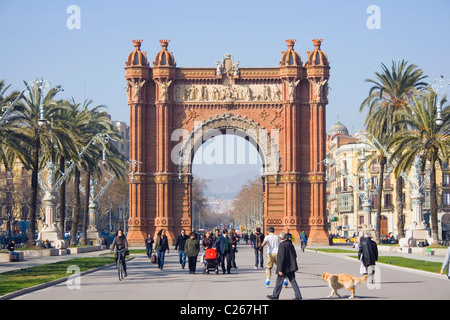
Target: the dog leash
(312, 274)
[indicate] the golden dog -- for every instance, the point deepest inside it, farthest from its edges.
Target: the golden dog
(343, 280)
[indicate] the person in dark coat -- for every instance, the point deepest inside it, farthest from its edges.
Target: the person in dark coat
(149, 245)
(368, 254)
(120, 242)
(161, 245)
(181, 240)
(259, 239)
(223, 247)
(192, 248)
(286, 267)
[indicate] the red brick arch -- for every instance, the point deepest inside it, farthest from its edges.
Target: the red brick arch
(280, 110)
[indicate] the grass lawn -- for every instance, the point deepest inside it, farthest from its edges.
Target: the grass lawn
(19, 279)
(332, 250)
(423, 265)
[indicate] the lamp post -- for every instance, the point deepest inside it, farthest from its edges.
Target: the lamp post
(92, 233)
(51, 231)
(416, 230)
(439, 86)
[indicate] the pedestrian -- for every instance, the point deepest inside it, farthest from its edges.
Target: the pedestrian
(233, 241)
(161, 245)
(181, 240)
(192, 248)
(367, 254)
(272, 241)
(207, 241)
(286, 267)
(252, 239)
(149, 245)
(215, 236)
(259, 239)
(120, 243)
(11, 247)
(288, 234)
(223, 247)
(446, 264)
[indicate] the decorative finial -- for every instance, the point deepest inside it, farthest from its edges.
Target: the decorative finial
(317, 43)
(164, 43)
(290, 43)
(137, 44)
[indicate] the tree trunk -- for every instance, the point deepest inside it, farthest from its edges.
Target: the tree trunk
(399, 207)
(62, 199)
(76, 207)
(380, 195)
(34, 192)
(86, 206)
(433, 200)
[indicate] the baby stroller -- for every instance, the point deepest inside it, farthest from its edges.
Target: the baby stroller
(210, 261)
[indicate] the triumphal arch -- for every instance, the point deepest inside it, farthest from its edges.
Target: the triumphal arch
(280, 110)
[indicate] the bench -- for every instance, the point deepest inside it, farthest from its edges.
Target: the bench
(9, 257)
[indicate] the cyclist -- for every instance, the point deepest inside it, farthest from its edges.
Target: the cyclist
(304, 240)
(120, 243)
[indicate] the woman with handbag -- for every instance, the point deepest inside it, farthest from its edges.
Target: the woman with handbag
(161, 245)
(120, 242)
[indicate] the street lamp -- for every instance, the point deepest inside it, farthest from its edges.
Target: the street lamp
(51, 231)
(133, 164)
(42, 85)
(439, 86)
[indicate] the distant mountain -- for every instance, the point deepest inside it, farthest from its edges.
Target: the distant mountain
(229, 187)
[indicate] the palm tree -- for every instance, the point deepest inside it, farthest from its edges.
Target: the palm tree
(89, 123)
(46, 139)
(13, 141)
(425, 140)
(390, 94)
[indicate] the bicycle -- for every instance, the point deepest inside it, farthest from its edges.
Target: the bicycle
(120, 262)
(303, 246)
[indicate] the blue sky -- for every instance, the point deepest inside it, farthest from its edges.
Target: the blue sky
(88, 62)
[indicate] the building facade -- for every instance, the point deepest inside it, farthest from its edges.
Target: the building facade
(344, 203)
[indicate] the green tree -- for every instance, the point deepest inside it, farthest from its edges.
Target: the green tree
(390, 94)
(424, 140)
(13, 142)
(45, 137)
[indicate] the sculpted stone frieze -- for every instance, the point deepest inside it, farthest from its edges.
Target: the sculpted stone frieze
(229, 92)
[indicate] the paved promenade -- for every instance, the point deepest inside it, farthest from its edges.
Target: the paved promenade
(146, 282)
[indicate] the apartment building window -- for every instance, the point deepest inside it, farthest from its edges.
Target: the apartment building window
(388, 200)
(361, 183)
(446, 198)
(446, 180)
(345, 203)
(374, 182)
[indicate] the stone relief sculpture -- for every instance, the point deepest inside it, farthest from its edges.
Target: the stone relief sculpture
(219, 68)
(317, 88)
(235, 92)
(291, 85)
(134, 90)
(164, 89)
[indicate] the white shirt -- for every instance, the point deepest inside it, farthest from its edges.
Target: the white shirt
(273, 241)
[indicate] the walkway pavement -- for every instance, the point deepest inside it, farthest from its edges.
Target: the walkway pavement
(146, 282)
